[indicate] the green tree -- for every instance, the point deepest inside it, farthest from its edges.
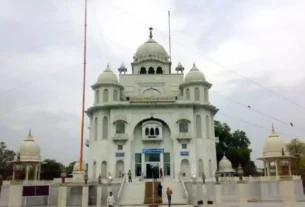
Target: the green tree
(51, 169)
(6, 156)
(297, 149)
(69, 169)
(236, 146)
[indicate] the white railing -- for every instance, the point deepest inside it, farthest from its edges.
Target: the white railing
(121, 188)
(183, 186)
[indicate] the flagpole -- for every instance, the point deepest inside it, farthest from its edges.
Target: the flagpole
(84, 94)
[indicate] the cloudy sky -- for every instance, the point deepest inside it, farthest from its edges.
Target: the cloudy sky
(252, 51)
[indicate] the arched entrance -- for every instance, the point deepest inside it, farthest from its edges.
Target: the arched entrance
(119, 169)
(104, 169)
(200, 167)
(185, 167)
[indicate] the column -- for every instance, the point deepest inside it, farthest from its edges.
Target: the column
(287, 191)
(289, 168)
(36, 172)
(242, 194)
(276, 169)
(62, 196)
(162, 161)
(268, 170)
(218, 195)
(39, 171)
(85, 196)
(15, 194)
(143, 170)
(27, 172)
(265, 168)
(99, 196)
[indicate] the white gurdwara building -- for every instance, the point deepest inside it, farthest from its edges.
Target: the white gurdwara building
(154, 117)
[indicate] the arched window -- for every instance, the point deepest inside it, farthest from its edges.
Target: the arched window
(143, 70)
(198, 126)
(95, 134)
(152, 132)
(183, 126)
(97, 96)
(105, 95)
(206, 95)
(151, 70)
(207, 123)
(115, 95)
(94, 170)
(197, 94)
(105, 127)
(159, 70)
(146, 131)
(120, 127)
(187, 93)
(157, 131)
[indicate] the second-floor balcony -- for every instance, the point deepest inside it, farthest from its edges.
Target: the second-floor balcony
(184, 137)
(120, 138)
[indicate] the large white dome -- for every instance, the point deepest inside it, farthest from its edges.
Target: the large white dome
(194, 75)
(30, 150)
(107, 76)
(274, 145)
(151, 50)
(225, 165)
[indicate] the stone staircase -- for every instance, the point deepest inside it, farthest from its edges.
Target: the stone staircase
(178, 197)
(133, 194)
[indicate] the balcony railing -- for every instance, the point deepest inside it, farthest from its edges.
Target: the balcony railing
(184, 136)
(120, 138)
(152, 138)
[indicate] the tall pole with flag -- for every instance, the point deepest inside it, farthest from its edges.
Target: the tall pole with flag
(84, 94)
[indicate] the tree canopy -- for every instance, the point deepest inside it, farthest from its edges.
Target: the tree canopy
(236, 147)
(6, 156)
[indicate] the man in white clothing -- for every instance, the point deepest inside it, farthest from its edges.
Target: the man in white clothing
(110, 200)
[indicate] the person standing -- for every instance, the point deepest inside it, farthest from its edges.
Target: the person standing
(169, 193)
(129, 176)
(110, 200)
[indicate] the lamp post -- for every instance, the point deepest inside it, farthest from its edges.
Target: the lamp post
(99, 179)
(217, 177)
(240, 172)
(194, 190)
(218, 198)
(241, 188)
(63, 176)
(86, 177)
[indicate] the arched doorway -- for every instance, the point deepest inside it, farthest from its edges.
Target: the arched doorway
(185, 167)
(104, 169)
(119, 169)
(200, 167)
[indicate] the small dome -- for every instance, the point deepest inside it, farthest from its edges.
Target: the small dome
(194, 75)
(107, 76)
(30, 150)
(225, 165)
(151, 50)
(76, 166)
(274, 145)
